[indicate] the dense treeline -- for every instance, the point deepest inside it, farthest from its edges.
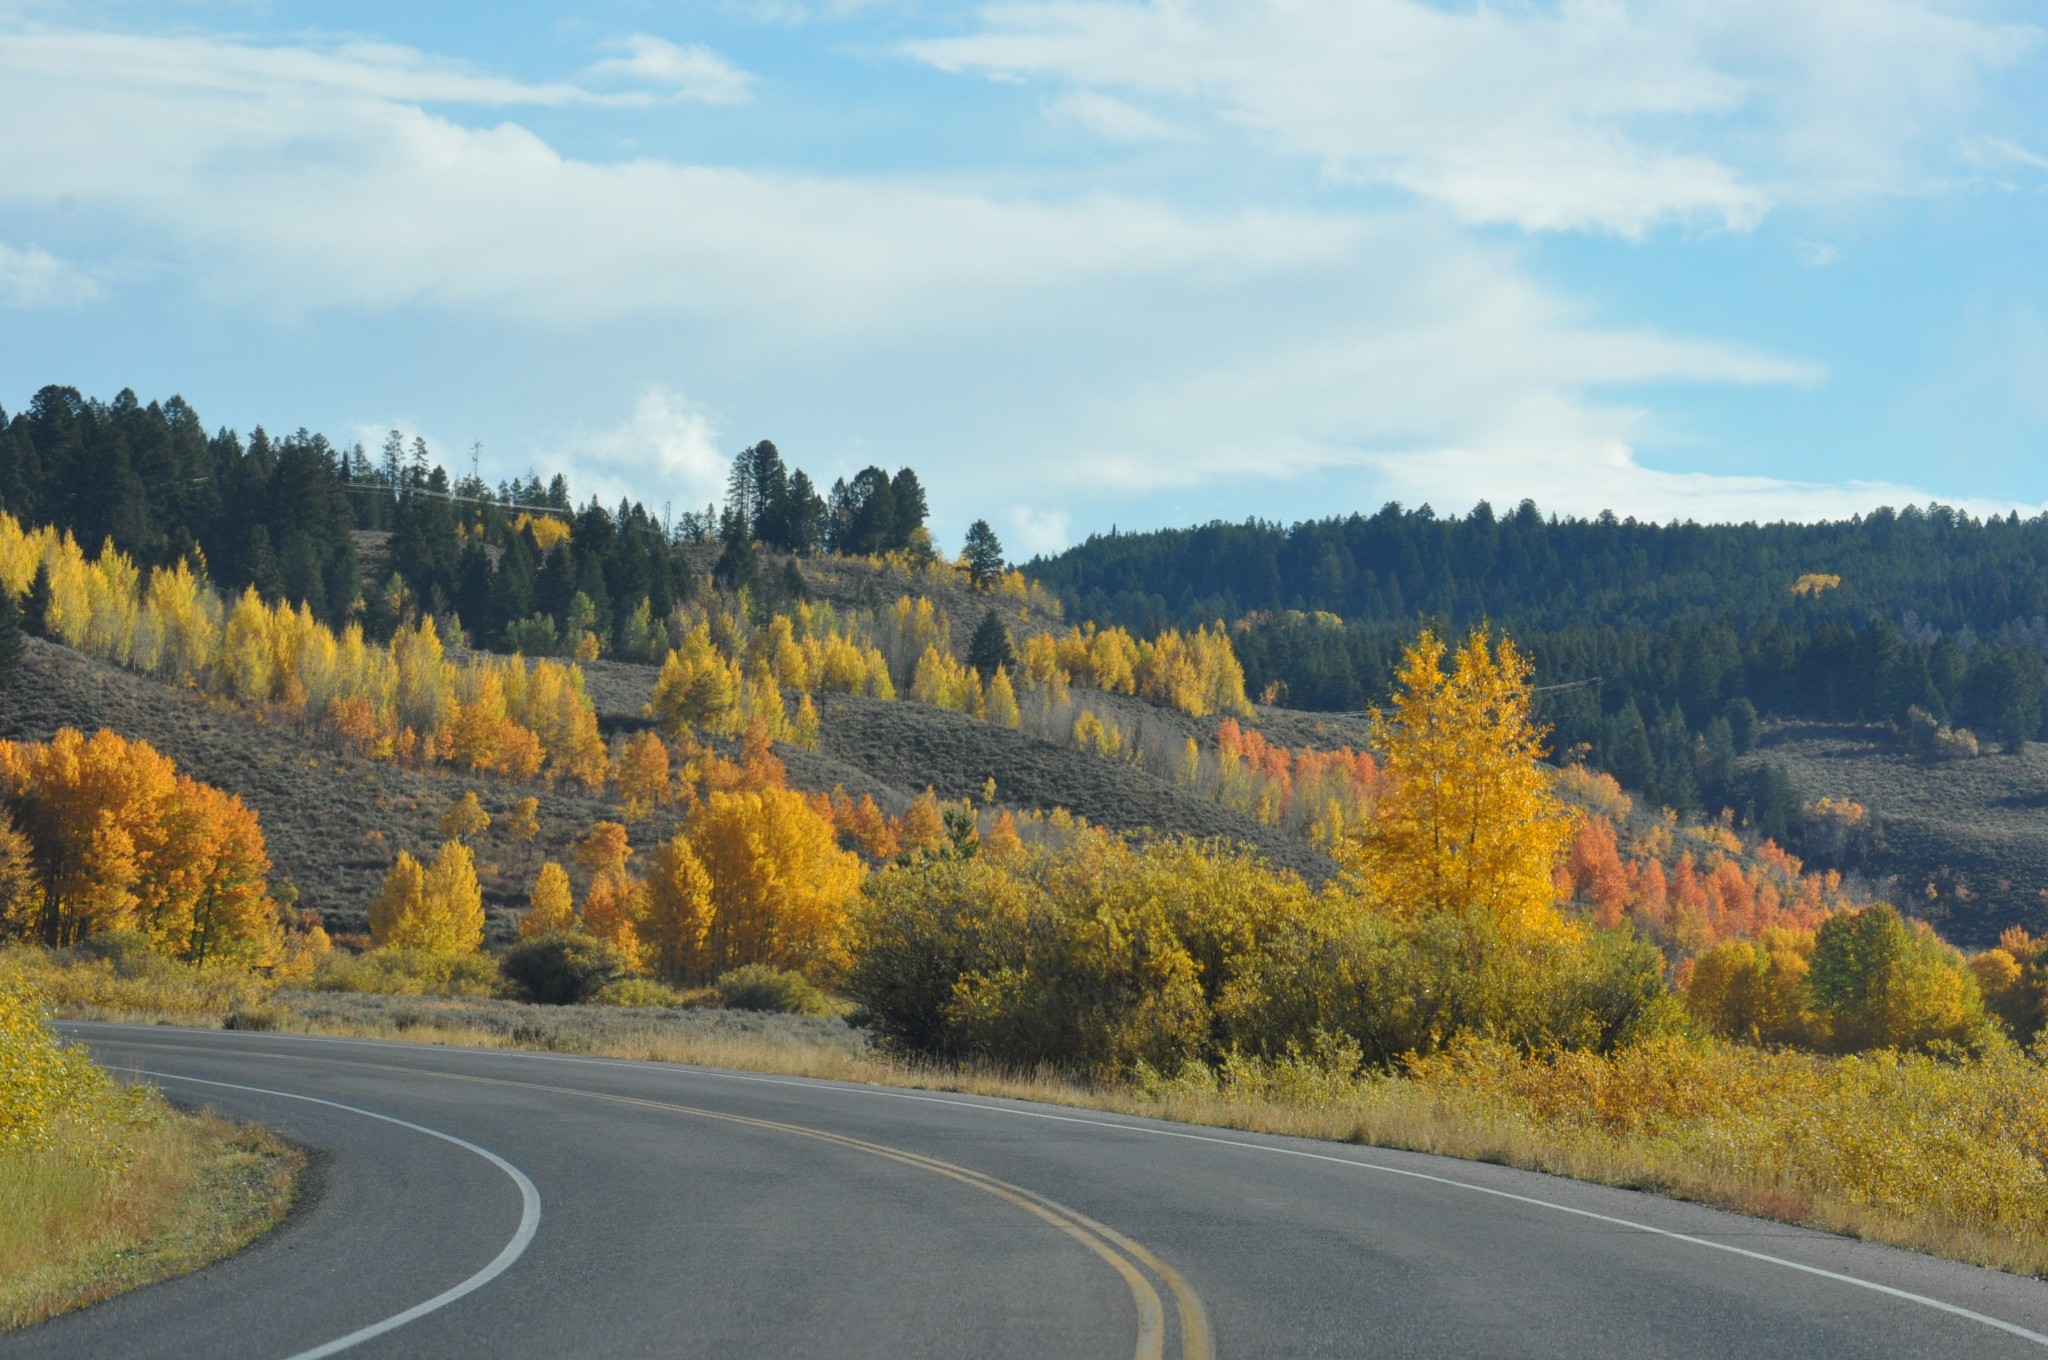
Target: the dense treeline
(521, 565)
(274, 513)
(1664, 642)
(1548, 573)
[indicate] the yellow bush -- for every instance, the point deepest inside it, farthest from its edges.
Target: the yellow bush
(43, 1080)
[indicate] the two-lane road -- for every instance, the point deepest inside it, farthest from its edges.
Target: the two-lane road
(500, 1204)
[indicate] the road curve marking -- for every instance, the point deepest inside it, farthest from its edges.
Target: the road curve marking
(861, 1088)
(870, 1089)
(529, 1217)
(1195, 1337)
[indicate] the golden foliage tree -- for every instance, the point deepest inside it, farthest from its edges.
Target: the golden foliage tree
(438, 909)
(922, 826)
(611, 902)
(1002, 699)
(679, 912)
(398, 911)
(454, 900)
(781, 888)
(1466, 822)
(642, 773)
(118, 839)
(550, 909)
(698, 690)
(465, 819)
(524, 820)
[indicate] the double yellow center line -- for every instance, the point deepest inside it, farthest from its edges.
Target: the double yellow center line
(1129, 1259)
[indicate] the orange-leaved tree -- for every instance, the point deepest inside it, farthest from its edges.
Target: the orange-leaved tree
(611, 904)
(118, 839)
(1466, 821)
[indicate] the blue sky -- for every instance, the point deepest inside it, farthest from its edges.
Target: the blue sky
(1080, 263)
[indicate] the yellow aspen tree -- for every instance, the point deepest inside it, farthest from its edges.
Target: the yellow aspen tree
(782, 889)
(454, 901)
(611, 903)
(805, 732)
(1002, 699)
(550, 909)
(1467, 821)
(697, 690)
(678, 912)
(642, 774)
(397, 911)
(465, 819)
(524, 820)
(1002, 843)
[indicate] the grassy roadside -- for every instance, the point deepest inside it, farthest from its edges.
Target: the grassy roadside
(1946, 1159)
(189, 1190)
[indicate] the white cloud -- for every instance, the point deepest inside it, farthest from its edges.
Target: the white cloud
(1817, 254)
(1037, 352)
(666, 451)
(1034, 532)
(693, 71)
(202, 68)
(1586, 114)
(295, 196)
(32, 277)
(1112, 118)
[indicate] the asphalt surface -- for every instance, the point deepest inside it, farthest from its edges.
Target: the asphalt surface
(497, 1204)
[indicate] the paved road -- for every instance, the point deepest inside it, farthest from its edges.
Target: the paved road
(513, 1204)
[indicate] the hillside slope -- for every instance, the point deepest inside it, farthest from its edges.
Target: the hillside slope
(333, 822)
(895, 750)
(1975, 831)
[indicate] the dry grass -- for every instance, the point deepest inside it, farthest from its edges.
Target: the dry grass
(1971, 830)
(186, 1190)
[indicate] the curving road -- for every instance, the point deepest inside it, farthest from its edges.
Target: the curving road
(496, 1204)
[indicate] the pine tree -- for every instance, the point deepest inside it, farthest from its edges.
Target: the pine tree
(984, 554)
(990, 650)
(10, 638)
(35, 606)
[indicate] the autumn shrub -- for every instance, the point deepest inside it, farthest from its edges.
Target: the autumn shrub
(560, 970)
(1866, 979)
(646, 992)
(1097, 955)
(111, 976)
(401, 971)
(47, 1087)
(1903, 1136)
(757, 987)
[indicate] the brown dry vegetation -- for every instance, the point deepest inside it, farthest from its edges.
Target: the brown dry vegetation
(333, 822)
(1976, 831)
(895, 750)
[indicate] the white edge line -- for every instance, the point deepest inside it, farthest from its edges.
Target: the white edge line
(529, 1217)
(863, 1088)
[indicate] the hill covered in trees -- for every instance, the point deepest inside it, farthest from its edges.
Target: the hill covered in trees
(1664, 654)
(1658, 645)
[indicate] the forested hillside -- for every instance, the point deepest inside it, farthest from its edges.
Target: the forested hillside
(1658, 645)
(1663, 654)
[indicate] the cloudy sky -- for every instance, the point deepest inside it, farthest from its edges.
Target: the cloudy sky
(1079, 262)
